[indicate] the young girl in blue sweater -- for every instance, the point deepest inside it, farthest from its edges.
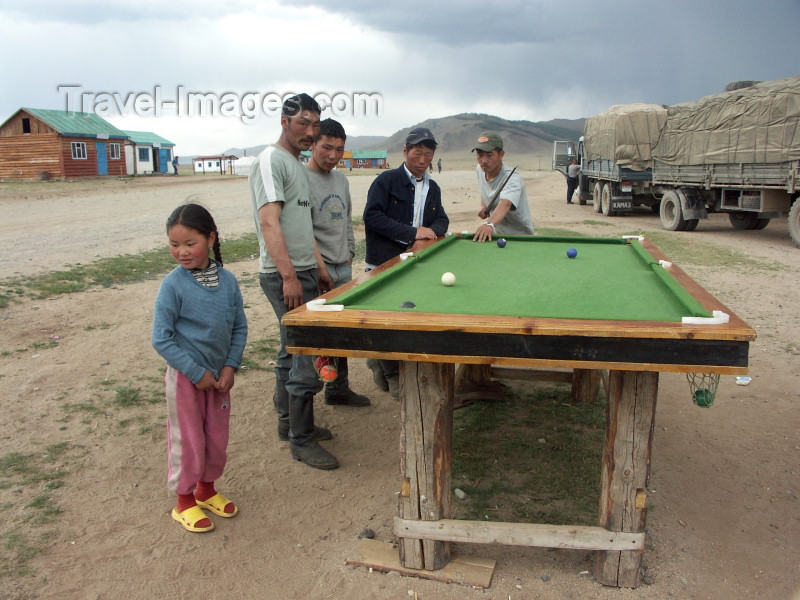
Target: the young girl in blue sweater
(200, 329)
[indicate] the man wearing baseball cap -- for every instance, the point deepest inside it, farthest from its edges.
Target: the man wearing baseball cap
(403, 205)
(504, 201)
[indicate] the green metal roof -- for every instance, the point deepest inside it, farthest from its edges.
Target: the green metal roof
(369, 153)
(147, 138)
(76, 123)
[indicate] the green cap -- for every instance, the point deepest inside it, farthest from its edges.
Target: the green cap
(488, 141)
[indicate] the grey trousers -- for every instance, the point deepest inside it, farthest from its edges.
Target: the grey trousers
(296, 380)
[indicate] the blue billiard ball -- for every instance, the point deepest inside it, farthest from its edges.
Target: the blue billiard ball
(501, 242)
(572, 253)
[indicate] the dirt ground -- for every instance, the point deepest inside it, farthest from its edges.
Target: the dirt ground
(724, 507)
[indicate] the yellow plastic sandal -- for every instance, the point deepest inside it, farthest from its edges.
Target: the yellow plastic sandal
(189, 517)
(217, 504)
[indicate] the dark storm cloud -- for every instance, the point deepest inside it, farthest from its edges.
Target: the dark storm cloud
(533, 60)
(616, 51)
(462, 23)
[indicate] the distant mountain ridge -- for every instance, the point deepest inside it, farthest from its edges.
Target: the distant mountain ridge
(458, 133)
(358, 142)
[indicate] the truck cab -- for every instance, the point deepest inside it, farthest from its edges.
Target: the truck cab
(564, 152)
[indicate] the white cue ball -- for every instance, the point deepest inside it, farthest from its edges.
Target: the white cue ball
(448, 279)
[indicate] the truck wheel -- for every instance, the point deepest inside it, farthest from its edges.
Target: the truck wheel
(691, 224)
(744, 220)
(671, 213)
(762, 223)
(605, 202)
(794, 222)
(597, 193)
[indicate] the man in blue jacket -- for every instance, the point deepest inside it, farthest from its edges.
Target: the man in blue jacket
(404, 205)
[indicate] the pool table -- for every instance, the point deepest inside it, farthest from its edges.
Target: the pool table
(619, 308)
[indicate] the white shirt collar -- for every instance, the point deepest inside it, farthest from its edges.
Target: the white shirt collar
(411, 176)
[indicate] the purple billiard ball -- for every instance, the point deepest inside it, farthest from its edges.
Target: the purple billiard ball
(501, 242)
(572, 253)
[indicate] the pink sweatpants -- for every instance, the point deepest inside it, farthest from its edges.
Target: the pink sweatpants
(198, 422)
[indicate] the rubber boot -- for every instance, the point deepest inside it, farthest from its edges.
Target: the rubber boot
(339, 392)
(281, 401)
(377, 374)
(391, 371)
(303, 443)
(340, 385)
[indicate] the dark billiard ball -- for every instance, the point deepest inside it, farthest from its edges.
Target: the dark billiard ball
(501, 242)
(572, 253)
(408, 304)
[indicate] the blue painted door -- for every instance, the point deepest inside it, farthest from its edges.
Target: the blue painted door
(163, 159)
(102, 159)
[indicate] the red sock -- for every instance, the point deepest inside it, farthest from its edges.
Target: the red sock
(185, 501)
(204, 491)
(188, 501)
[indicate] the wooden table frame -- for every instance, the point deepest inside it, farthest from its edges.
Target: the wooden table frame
(429, 346)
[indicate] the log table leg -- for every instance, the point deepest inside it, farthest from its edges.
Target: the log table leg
(626, 470)
(426, 429)
(473, 383)
(586, 384)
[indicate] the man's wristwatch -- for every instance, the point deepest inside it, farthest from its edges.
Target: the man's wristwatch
(490, 224)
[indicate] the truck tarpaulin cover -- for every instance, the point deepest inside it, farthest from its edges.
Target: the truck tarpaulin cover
(758, 124)
(624, 133)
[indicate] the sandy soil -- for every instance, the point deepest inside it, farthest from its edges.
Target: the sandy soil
(724, 520)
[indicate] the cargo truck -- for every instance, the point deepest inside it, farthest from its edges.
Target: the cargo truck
(737, 152)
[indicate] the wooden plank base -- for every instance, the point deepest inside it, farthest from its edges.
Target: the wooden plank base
(384, 557)
(575, 537)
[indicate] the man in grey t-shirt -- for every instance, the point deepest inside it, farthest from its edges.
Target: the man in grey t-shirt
(331, 213)
(291, 271)
(510, 213)
(572, 179)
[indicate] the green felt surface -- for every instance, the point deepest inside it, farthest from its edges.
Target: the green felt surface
(532, 276)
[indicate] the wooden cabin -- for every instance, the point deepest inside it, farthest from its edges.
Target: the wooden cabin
(43, 144)
(369, 159)
(148, 153)
(363, 159)
(346, 162)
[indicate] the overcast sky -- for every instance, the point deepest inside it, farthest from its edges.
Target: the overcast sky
(534, 60)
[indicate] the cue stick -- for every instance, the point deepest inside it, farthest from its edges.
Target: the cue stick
(496, 195)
